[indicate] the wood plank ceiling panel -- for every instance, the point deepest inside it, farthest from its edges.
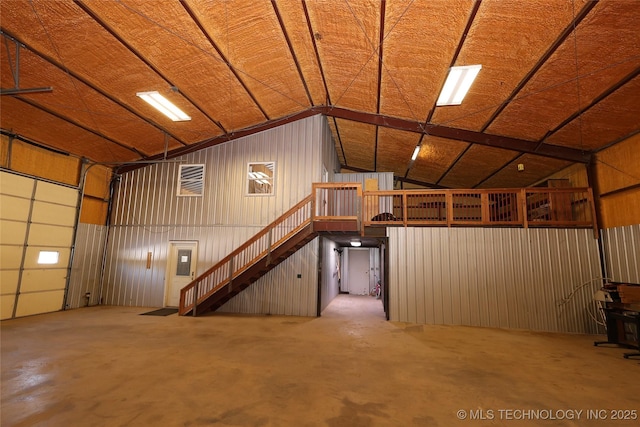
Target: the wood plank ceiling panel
(54, 29)
(615, 117)
(506, 52)
(168, 38)
(296, 25)
(347, 38)
(419, 42)
(69, 138)
(395, 148)
(536, 169)
(249, 35)
(359, 143)
(435, 157)
(73, 99)
(607, 48)
(476, 165)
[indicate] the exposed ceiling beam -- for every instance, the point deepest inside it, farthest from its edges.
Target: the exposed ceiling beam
(226, 138)
(514, 144)
(292, 51)
(335, 123)
(617, 141)
(195, 19)
(86, 82)
(383, 4)
(543, 59)
(552, 151)
(599, 98)
(472, 17)
(79, 125)
(315, 49)
(15, 71)
(13, 135)
(144, 60)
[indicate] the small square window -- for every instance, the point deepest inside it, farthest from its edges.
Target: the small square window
(191, 180)
(260, 177)
(48, 257)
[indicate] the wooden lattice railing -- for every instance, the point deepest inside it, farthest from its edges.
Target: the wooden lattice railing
(526, 207)
(256, 248)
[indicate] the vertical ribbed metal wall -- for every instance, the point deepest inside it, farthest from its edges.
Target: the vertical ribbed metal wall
(147, 214)
(330, 158)
(329, 273)
(87, 265)
(621, 247)
(280, 291)
(494, 277)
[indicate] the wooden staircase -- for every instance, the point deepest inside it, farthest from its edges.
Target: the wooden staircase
(258, 269)
(249, 262)
(330, 208)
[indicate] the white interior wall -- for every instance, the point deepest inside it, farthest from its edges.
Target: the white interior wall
(329, 286)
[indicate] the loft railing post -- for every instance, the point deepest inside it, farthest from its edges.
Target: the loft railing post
(449, 201)
(405, 209)
(525, 213)
(195, 299)
(484, 208)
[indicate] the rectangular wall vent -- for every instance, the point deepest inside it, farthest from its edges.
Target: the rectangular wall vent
(191, 180)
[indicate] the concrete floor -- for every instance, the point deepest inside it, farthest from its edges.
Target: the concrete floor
(107, 366)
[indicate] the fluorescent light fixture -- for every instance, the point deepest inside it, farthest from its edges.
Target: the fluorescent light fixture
(415, 153)
(457, 85)
(48, 257)
(163, 105)
(356, 243)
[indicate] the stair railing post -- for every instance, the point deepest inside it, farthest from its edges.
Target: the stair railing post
(230, 274)
(269, 246)
(195, 298)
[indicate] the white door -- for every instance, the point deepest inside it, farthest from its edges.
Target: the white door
(359, 271)
(181, 270)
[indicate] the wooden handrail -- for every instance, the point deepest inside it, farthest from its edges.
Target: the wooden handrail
(524, 207)
(482, 207)
(235, 270)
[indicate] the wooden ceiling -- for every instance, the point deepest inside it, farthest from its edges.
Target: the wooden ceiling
(559, 79)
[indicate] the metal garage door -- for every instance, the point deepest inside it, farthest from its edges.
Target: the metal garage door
(37, 220)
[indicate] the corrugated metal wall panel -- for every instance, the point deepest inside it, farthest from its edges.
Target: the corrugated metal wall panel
(330, 158)
(329, 273)
(87, 265)
(147, 214)
(494, 277)
(621, 247)
(280, 291)
(385, 179)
